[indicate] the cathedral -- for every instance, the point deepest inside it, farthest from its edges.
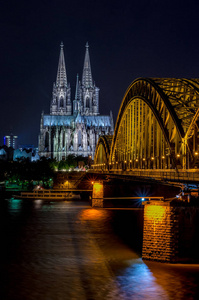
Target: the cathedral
(73, 127)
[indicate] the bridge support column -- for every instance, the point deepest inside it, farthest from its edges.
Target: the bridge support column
(98, 194)
(170, 231)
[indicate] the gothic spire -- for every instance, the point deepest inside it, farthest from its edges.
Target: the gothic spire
(61, 72)
(77, 95)
(87, 80)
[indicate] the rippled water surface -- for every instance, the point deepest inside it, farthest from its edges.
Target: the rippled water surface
(67, 250)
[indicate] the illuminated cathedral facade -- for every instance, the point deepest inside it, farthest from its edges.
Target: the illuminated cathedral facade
(73, 127)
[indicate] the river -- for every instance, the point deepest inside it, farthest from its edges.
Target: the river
(67, 250)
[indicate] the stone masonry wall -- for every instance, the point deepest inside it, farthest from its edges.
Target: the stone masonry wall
(98, 194)
(161, 232)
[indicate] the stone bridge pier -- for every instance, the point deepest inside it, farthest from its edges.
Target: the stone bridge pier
(98, 194)
(171, 231)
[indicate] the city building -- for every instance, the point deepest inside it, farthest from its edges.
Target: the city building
(22, 152)
(73, 127)
(11, 141)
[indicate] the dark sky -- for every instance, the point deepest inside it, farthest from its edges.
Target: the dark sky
(128, 39)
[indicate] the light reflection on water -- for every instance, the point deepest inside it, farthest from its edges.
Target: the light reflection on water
(15, 204)
(138, 282)
(67, 250)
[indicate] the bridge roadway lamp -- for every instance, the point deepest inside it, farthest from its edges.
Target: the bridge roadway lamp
(143, 199)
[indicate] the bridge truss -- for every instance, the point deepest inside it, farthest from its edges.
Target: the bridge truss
(157, 127)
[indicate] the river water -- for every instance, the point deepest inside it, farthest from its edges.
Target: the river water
(67, 250)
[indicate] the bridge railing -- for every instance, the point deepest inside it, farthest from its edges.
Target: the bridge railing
(182, 175)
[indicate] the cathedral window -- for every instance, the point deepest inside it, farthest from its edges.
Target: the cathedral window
(87, 102)
(47, 141)
(79, 138)
(61, 102)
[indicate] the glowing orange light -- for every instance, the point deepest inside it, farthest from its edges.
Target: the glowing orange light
(196, 153)
(152, 158)
(93, 214)
(178, 155)
(155, 212)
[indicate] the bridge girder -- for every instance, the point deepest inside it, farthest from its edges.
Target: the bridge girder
(155, 123)
(157, 126)
(102, 151)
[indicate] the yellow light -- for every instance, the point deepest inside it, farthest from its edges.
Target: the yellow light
(163, 157)
(125, 161)
(136, 159)
(155, 212)
(143, 158)
(93, 214)
(130, 161)
(92, 182)
(196, 153)
(178, 155)
(116, 162)
(152, 158)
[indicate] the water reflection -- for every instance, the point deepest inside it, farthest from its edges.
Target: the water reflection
(38, 204)
(66, 250)
(137, 282)
(15, 204)
(93, 214)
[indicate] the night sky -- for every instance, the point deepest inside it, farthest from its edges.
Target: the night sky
(127, 39)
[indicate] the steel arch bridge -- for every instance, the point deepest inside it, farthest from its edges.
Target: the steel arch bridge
(157, 127)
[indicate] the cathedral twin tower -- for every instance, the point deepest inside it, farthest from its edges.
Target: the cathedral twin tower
(73, 128)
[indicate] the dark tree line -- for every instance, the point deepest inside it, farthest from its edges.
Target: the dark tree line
(43, 170)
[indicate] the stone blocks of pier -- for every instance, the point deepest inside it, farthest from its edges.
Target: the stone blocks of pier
(98, 194)
(170, 231)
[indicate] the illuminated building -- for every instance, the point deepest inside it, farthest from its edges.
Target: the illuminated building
(73, 127)
(11, 141)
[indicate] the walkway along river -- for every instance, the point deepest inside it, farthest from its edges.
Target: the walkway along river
(67, 250)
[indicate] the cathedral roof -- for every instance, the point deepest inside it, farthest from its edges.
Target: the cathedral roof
(98, 121)
(79, 119)
(50, 120)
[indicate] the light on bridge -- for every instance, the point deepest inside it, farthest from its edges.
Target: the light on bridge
(143, 199)
(163, 157)
(125, 161)
(196, 153)
(136, 160)
(144, 159)
(178, 155)
(152, 158)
